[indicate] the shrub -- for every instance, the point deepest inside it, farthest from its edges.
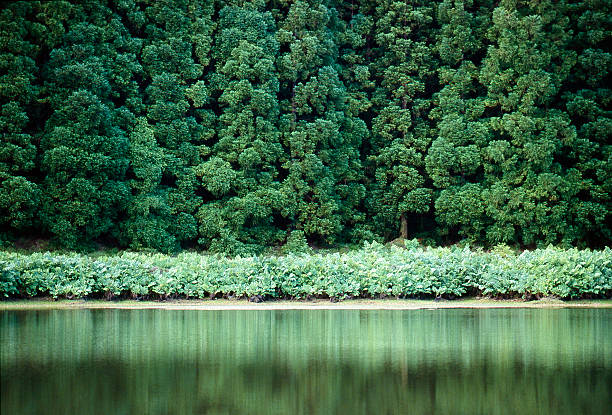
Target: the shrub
(373, 271)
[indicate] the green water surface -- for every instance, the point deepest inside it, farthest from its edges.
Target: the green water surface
(459, 361)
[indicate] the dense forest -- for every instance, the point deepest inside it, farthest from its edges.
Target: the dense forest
(236, 125)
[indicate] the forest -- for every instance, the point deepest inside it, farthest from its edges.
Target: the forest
(234, 126)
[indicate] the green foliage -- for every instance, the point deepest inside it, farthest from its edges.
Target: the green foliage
(371, 272)
(19, 193)
(242, 172)
(168, 135)
(231, 125)
(320, 130)
(401, 131)
(296, 243)
(84, 161)
(507, 157)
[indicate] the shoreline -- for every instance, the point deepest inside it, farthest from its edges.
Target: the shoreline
(319, 304)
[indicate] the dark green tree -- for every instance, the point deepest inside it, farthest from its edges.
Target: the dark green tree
(355, 41)
(168, 145)
(85, 162)
(242, 171)
(498, 155)
(19, 192)
(84, 149)
(454, 160)
(321, 135)
(404, 70)
(588, 102)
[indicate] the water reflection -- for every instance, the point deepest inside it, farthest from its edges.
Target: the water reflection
(306, 362)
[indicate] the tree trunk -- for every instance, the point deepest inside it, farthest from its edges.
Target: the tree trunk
(403, 226)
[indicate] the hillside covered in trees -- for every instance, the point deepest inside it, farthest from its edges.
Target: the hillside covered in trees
(235, 125)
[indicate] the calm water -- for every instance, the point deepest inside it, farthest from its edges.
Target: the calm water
(306, 362)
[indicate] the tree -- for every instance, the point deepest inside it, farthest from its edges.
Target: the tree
(19, 190)
(401, 132)
(499, 154)
(321, 136)
(241, 172)
(83, 149)
(354, 36)
(587, 99)
(168, 146)
(454, 161)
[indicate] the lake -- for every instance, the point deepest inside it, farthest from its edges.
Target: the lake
(456, 361)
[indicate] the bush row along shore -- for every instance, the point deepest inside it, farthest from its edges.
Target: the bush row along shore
(374, 271)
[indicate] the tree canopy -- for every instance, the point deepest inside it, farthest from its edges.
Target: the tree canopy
(237, 125)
